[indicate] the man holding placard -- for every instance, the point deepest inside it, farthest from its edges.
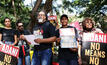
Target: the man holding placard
(44, 32)
(68, 38)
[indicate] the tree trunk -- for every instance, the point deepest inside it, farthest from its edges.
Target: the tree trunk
(31, 3)
(14, 8)
(32, 15)
(48, 6)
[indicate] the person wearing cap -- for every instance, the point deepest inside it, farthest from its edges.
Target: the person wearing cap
(68, 56)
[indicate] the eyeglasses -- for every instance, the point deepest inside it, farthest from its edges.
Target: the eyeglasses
(41, 15)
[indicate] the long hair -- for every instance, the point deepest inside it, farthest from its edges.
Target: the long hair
(84, 24)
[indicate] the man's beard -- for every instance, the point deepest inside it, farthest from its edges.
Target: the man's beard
(40, 20)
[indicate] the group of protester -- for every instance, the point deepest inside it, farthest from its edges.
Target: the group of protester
(48, 34)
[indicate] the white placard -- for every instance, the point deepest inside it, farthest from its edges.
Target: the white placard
(67, 36)
(31, 39)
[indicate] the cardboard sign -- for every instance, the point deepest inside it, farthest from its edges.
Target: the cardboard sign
(8, 55)
(53, 20)
(76, 25)
(94, 49)
(98, 37)
(67, 36)
(52, 17)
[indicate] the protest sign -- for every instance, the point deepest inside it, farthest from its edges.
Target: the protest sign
(67, 36)
(8, 55)
(94, 49)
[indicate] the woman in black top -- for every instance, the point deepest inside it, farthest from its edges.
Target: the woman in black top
(7, 34)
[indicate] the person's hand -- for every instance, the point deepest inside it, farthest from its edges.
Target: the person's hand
(0, 45)
(79, 61)
(12, 45)
(22, 37)
(74, 49)
(28, 42)
(38, 40)
(58, 40)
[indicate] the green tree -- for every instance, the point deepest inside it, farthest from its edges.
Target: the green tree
(92, 8)
(47, 7)
(15, 10)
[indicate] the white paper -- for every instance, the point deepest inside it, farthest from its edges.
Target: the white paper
(67, 36)
(1, 42)
(31, 39)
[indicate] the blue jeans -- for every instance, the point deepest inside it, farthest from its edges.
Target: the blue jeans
(42, 57)
(68, 62)
(27, 60)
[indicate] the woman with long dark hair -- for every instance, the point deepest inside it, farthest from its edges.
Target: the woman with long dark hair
(89, 26)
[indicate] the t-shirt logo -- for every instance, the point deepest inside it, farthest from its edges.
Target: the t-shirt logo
(36, 32)
(41, 31)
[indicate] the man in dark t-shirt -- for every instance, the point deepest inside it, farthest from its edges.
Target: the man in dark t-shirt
(23, 44)
(44, 31)
(67, 55)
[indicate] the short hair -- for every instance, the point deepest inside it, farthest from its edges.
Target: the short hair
(64, 15)
(19, 21)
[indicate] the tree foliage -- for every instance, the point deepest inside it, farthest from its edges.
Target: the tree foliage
(92, 8)
(15, 10)
(47, 7)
